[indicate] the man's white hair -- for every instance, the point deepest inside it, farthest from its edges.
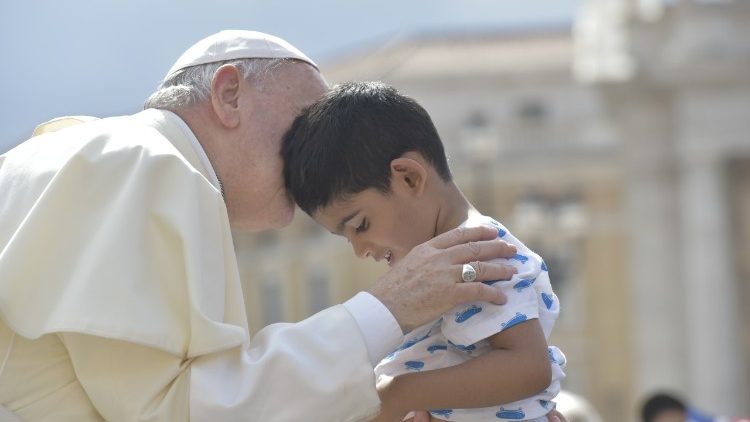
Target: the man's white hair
(193, 84)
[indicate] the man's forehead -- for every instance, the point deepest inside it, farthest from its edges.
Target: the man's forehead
(300, 83)
(314, 86)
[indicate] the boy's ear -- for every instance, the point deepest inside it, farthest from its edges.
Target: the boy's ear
(225, 94)
(408, 175)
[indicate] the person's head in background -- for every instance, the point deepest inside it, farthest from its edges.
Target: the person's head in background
(663, 407)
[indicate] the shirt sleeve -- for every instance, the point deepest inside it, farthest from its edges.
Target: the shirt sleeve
(379, 327)
(467, 324)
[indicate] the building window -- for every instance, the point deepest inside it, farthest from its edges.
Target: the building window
(267, 238)
(479, 139)
(532, 112)
(319, 291)
(532, 116)
(272, 304)
(552, 225)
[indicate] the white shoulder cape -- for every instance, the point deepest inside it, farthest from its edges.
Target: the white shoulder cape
(112, 228)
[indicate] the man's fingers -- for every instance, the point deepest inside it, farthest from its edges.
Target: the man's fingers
(484, 250)
(461, 235)
(478, 292)
(489, 271)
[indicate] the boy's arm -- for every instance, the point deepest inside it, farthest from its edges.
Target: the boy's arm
(517, 368)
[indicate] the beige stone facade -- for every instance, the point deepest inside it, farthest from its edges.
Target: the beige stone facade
(682, 115)
(622, 157)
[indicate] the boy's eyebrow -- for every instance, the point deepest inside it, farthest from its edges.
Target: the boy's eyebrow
(342, 223)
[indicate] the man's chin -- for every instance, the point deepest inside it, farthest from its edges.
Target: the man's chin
(286, 218)
(284, 214)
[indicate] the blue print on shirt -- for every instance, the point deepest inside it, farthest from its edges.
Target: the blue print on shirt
(545, 403)
(523, 284)
(544, 266)
(519, 318)
(510, 414)
(467, 313)
(470, 348)
(521, 258)
(414, 365)
(442, 412)
(435, 347)
(551, 356)
(548, 300)
(407, 345)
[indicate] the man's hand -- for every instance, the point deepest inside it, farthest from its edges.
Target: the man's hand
(427, 282)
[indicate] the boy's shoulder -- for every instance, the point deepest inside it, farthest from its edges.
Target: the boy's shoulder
(477, 219)
(524, 252)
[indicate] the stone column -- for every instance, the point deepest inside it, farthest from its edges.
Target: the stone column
(644, 119)
(715, 360)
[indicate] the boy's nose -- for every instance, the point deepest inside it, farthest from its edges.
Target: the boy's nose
(361, 250)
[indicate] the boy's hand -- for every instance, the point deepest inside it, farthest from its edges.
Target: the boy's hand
(427, 281)
(555, 416)
(391, 403)
(421, 416)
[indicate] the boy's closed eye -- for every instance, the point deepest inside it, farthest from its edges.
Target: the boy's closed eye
(362, 226)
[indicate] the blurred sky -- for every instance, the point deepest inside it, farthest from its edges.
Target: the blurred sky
(104, 57)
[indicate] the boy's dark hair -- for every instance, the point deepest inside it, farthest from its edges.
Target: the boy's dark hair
(345, 142)
(658, 403)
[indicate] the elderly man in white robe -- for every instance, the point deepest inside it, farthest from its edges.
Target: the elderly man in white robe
(120, 297)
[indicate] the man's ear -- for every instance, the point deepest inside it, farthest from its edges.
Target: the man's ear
(409, 175)
(225, 94)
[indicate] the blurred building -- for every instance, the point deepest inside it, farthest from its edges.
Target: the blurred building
(675, 79)
(619, 152)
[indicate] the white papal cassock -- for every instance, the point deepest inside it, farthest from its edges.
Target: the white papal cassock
(121, 300)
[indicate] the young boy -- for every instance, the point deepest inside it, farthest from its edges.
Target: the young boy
(367, 163)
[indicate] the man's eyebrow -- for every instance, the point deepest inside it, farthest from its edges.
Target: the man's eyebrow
(342, 223)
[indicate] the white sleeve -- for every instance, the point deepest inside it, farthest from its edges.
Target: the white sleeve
(379, 327)
(317, 369)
